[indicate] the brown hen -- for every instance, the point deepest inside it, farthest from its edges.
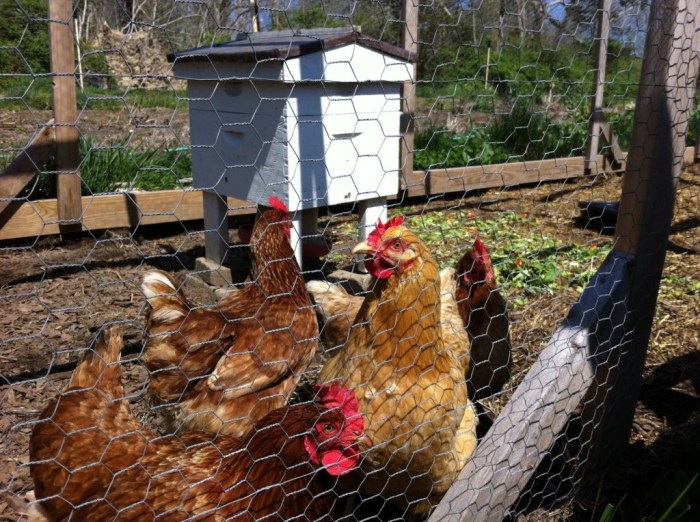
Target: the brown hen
(484, 311)
(92, 460)
(410, 387)
(230, 364)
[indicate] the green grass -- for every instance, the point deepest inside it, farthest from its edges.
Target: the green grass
(35, 93)
(668, 500)
(115, 167)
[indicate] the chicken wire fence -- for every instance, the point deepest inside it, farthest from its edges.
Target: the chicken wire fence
(495, 341)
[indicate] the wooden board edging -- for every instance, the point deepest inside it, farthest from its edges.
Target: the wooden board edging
(462, 179)
(129, 209)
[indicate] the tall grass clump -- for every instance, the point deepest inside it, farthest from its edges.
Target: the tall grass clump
(115, 167)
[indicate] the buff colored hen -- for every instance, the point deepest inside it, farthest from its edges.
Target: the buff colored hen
(474, 319)
(410, 387)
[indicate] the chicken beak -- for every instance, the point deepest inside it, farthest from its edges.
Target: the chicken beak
(364, 441)
(363, 248)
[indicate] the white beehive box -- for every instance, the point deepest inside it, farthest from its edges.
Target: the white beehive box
(313, 119)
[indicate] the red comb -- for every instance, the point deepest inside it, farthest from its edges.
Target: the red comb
(335, 395)
(394, 222)
(480, 268)
(375, 237)
(277, 203)
(480, 248)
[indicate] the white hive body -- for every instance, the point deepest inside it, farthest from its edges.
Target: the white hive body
(316, 124)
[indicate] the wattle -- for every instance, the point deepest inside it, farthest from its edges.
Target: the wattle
(378, 268)
(337, 462)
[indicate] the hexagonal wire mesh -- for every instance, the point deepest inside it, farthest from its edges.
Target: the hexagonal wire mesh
(504, 158)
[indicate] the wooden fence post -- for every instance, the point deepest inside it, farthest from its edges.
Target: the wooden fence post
(409, 41)
(664, 105)
(66, 114)
(654, 164)
(598, 126)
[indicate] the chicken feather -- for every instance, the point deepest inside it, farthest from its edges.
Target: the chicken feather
(230, 364)
(92, 460)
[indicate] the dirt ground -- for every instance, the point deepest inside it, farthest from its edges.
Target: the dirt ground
(153, 127)
(56, 294)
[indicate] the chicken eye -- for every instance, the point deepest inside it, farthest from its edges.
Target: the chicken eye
(396, 245)
(328, 427)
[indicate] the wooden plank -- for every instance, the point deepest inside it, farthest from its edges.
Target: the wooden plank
(65, 113)
(655, 160)
(667, 88)
(36, 218)
(409, 41)
(615, 154)
(667, 82)
(414, 185)
(26, 164)
(462, 179)
(524, 432)
(689, 156)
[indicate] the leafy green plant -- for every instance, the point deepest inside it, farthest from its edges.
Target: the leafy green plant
(28, 92)
(24, 39)
(442, 149)
(621, 124)
(521, 131)
(668, 501)
(527, 264)
(120, 167)
(117, 166)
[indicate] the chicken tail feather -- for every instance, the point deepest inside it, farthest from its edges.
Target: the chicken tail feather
(168, 304)
(99, 366)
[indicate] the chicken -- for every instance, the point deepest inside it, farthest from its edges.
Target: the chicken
(454, 333)
(92, 460)
(469, 299)
(339, 309)
(410, 388)
(230, 364)
(485, 313)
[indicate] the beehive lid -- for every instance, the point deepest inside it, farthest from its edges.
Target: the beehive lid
(284, 45)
